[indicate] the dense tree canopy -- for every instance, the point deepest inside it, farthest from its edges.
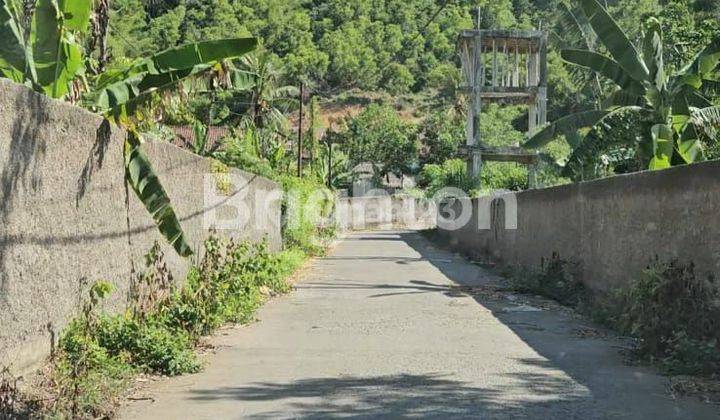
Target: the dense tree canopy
(379, 136)
(408, 47)
(392, 44)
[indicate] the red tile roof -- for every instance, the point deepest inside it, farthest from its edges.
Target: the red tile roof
(185, 136)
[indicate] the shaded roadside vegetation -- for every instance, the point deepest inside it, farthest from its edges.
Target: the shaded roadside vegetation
(672, 312)
(100, 353)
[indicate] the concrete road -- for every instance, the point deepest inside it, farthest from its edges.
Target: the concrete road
(380, 328)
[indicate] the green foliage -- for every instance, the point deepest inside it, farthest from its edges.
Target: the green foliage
(378, 135)
(228, 285)
(307, 202)
(89, 382)
(243, 151)
(146, 344)
(442, 135)
(398, 79)
(200, 135)
(503, 176)
(668, 103)
(86, 377)
(348, 45)
(675, 314)
(120, 91)
(145, 183)
(340, 164)
(50, 56)
(99, 353)
(556, 278)
(452, 173)
(446, 79)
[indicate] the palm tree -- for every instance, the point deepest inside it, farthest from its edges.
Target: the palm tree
(674, 110)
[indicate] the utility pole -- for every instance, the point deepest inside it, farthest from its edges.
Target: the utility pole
(329, 144)
(312, 130)
(300, 132)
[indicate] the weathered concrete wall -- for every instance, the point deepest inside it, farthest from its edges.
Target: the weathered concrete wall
(384, 212)
(67, 219)
(612, 227)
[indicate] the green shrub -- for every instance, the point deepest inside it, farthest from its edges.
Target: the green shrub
(228, 285)
(557, 278)
(452, 173)
(91, 391)
(675, 315)
(306, 203)
(100, 352)
(86, 377)
(149, 346)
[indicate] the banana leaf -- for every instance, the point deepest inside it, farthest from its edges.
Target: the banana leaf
(570, 124)
(605, 66)
(191, 55)
(132, 91)
(76, 14)
(122, 91)
(620, 98)
(615, 40)
(653, 53)
(243, 80)
(57, 57)
(12, 51)
(663, 147)
(574, 29)
(704, 63)
(120, 97)
(707, 120)
(689, 147)
(141, 177)
(584, 148)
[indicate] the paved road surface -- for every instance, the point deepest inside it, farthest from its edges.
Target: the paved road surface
(379, 328)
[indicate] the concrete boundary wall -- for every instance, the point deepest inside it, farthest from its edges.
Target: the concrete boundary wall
(613, 227)
(67, 219)
(384, 212)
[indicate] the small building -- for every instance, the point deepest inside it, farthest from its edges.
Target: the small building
(365, 180)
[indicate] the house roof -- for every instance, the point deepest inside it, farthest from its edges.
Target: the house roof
(365, 171)
(185, 136)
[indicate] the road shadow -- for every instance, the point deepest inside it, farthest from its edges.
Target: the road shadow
(590, 354)
(399, 396)
(569, 376)
(414, 287)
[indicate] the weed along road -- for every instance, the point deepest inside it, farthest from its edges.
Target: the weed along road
(387, 325)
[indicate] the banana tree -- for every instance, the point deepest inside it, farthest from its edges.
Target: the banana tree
(51, 57)
(673, 108)
(269, 99)
(332, 170)
(51, 60)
